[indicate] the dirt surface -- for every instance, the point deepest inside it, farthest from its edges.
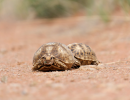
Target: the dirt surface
(110, 80)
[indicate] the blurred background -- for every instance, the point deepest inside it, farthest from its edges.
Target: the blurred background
(104, 25)
(89, 21)
(30, 9)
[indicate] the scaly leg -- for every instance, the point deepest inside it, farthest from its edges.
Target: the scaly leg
(76, 64)
(95, 62)
(37, 65)
(60, 65)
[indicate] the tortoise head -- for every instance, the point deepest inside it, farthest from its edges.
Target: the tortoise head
(47, 59)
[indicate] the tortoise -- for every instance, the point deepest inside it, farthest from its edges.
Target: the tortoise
(54, 56)
(83, 53)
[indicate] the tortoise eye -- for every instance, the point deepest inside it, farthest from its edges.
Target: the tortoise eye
(52, 57)
(43, 57)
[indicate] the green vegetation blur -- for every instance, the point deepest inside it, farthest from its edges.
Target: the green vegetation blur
(23, 9)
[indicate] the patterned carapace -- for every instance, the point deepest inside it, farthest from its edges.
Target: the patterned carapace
(53, 56)
(83, 53)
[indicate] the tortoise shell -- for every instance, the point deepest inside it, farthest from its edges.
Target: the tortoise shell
(62, 56)
(83, 53)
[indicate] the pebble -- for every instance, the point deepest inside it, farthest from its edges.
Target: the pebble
(3, 51)
(51, 84)
(4, 79)
(24, 92)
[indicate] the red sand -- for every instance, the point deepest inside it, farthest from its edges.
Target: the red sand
(108, 81)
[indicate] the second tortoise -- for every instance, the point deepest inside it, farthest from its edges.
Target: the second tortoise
(83, 53)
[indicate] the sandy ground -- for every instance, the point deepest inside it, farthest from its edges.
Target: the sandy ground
(110, 80)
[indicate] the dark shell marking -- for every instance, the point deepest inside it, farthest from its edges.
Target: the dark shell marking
(83, 53)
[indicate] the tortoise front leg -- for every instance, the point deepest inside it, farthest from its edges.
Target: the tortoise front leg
(95, 62)
(37, 66)
(76, 64)
(60, 65)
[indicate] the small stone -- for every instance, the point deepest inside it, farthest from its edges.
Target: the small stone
(126, 78)
(33, 84)
(72, 80)
(24, 92)
(3, 51)
(4, 79)
(87, 68)
(48, 82)
(120, 87)
(20, 63)
(57, 86)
